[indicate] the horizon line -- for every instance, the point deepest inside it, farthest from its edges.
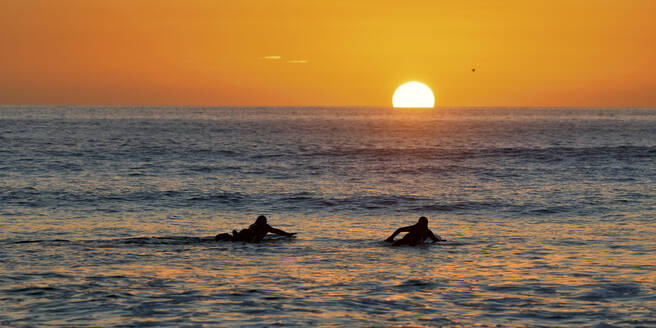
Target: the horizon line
(324, 106)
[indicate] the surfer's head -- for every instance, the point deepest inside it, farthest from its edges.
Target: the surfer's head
(261, 220)
(423, 221)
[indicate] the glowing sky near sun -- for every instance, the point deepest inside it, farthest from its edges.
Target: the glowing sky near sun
(331, 53)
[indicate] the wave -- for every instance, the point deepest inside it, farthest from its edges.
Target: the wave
(301, 202)
(133, 241)
(549, 154)
(34, 197)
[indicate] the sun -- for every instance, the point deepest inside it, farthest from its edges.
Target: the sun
(413, 95)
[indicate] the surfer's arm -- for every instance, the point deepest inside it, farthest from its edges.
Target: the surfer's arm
(432, 236)
(398, 231)
(280, 232)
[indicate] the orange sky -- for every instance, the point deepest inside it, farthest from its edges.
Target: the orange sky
(332, 53)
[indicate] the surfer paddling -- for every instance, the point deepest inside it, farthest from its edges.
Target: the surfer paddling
(254, 233)
(416, 234)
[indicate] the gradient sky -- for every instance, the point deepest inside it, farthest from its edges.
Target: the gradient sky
(327, 53)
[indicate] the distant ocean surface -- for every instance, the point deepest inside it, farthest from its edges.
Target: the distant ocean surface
(107, 217)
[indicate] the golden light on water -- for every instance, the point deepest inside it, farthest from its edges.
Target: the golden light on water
(413, 95)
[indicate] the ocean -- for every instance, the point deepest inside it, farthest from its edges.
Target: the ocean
(107, 217)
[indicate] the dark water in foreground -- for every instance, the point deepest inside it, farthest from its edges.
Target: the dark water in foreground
(106, 217)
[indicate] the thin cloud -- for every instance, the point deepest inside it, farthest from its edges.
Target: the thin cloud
(297, 61)
(272, 57)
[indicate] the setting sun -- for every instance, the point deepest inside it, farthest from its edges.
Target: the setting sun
(413, 95)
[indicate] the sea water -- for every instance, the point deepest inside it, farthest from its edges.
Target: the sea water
(107, 216)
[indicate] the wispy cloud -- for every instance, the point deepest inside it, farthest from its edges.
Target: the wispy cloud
(288, 61)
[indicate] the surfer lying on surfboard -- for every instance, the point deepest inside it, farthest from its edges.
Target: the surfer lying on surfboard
(255, 232)
(416, 234)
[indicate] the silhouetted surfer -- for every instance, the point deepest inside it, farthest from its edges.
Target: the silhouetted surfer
(416, 234)
(255, 232)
